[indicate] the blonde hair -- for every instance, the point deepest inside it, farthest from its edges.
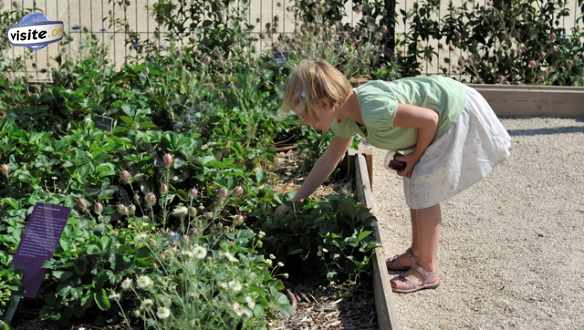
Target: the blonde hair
(312, 82)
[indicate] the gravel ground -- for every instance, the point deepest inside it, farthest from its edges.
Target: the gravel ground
(511, 251)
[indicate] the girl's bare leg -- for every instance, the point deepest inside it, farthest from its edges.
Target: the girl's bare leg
(414, 229)
(426, 225)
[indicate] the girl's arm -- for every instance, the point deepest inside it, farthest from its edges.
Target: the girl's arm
(323, 167)
(426, 121)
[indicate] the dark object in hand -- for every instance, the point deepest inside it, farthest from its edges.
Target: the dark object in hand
(397, 165)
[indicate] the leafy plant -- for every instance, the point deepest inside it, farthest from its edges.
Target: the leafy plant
(198, 284)
(330, 238)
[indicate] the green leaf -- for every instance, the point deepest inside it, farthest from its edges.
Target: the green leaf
(102, 300)
(259, 174)
(105, 169)
(4, 326)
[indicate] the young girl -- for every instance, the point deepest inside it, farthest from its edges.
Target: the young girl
(449, 134)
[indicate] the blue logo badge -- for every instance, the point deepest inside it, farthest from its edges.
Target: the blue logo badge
(35, 31)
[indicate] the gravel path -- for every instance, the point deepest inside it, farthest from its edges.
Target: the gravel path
(512, 246)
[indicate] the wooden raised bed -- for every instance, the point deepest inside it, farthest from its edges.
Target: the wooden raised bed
(533, 101)
(363, 172)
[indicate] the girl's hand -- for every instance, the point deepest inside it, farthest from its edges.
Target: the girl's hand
(410, 161)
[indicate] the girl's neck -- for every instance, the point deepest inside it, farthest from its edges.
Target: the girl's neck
(350, 109)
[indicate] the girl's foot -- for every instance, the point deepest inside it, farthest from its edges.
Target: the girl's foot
(401, 262)
(417, 278)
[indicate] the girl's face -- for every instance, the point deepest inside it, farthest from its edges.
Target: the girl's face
(326, 112)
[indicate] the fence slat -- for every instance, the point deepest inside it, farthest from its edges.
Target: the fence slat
(79, 13)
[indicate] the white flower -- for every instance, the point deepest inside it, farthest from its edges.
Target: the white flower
(324, 250)
(280, 264)
(127, 284)
(336, 256)
(146, 303)
(163, 313)
(199, 252)
(115, 296)
(240, 310)
(137, 313)
(261, 234)
(187, 253)
(181, 212)
(268, 261)
(141, 237)
(144, 282)
(235, 286)
(272, 256)
(222, 285)
(250, 302)
(230, 257)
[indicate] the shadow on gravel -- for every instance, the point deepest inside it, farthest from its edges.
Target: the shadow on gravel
(546, 131)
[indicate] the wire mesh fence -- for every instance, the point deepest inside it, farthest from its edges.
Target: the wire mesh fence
(137, 17)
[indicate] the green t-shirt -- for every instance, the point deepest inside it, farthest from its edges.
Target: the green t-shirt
(378, 100)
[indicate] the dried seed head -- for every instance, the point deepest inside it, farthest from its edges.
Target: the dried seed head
(5, 169)
(168, 160)
(82, 203)
(150, 199)
(194, 192)
(163, 188)
(98, 208)
(132, 209)
(122, 209)
(222, 194)
(238, 191)
(125, 177)
(238, 220)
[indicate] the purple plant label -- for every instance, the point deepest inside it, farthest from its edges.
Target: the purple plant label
(37, 245)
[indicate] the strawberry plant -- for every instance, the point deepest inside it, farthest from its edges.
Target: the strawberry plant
(331, 238)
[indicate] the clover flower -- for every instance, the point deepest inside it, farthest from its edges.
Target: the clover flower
(127, 284)
(144, 282)
(163, 313)
(199, 252)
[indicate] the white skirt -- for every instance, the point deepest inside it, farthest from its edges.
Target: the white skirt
(466, 153)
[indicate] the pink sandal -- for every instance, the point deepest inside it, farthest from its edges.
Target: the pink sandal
(417, 278)
(393, 263)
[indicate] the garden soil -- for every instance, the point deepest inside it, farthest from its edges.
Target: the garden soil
(511, 252)
(318, 307)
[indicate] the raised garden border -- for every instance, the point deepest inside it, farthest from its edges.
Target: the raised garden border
(522, 101)
(533, 100)
(361, 163)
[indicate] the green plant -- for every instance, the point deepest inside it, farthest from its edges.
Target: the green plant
(199, 284)
(330, 239)
(527, 47)
(9, 238)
